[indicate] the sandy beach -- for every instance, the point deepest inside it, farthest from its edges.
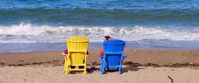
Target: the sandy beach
(135, 56)
(161, 40)
(141, 66)
(49, 74)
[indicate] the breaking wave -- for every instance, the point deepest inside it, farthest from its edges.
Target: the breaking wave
(27, 33)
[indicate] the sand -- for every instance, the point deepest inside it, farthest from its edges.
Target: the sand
(49, 74)
(141, 66)
(138, 56)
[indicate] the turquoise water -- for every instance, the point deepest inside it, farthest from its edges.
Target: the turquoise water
(34, 25)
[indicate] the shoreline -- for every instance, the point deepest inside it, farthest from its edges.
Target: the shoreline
(136, 57)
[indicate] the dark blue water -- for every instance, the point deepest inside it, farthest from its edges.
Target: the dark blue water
(26, 25)
(100, 12)
(101, 17)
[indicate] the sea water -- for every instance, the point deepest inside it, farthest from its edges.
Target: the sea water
(44, 25)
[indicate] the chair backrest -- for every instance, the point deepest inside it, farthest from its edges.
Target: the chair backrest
(77, 49)
(113, 50)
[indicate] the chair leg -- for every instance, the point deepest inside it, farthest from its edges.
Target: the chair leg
(102, 68)
(120, 70)
(65, 65)
(66, 70)
(84, 70)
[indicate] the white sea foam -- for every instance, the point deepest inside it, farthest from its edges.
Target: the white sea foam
(27, 33)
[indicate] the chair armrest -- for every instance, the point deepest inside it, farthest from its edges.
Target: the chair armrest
(101, 57)
(124, 57)
(64, 54)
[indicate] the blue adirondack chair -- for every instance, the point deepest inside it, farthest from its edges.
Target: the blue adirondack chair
(113, 55)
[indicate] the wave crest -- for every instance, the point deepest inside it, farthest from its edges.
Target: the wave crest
(28, 33)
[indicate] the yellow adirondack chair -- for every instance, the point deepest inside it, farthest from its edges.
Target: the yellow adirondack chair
(77, 53)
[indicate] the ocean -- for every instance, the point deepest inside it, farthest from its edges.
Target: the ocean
(44, 25)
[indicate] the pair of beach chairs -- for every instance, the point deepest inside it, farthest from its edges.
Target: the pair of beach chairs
(77, 52)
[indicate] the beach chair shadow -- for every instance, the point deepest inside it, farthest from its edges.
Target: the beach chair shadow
(75, 60)
(92, 69)
(131, 67)
(113, 56)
